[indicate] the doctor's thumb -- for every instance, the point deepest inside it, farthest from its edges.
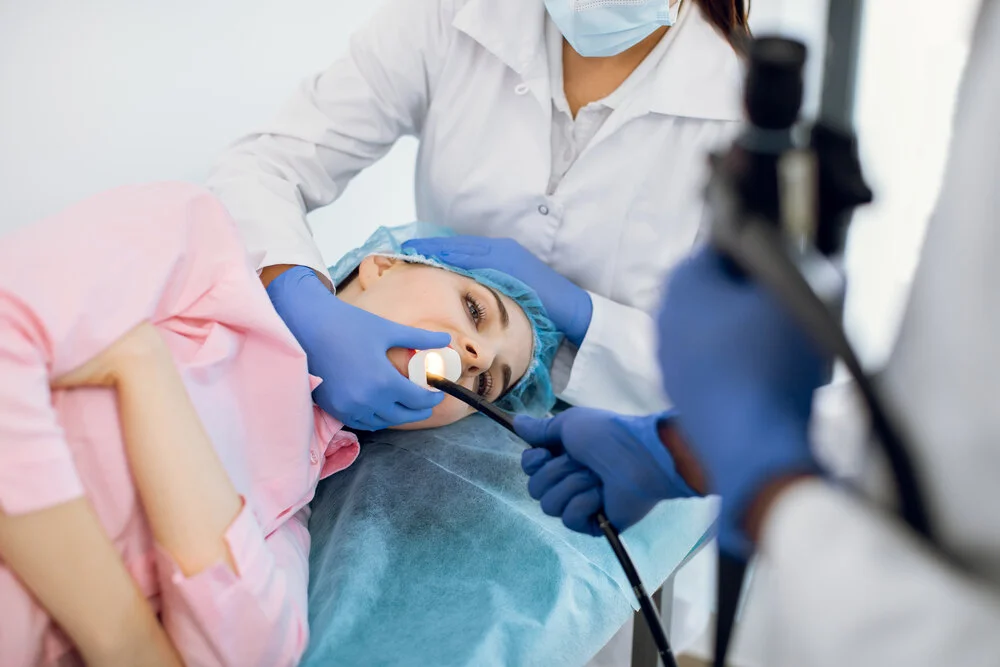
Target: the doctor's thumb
(418, 339)
(539, 432)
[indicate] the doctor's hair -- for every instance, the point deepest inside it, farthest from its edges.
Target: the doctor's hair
(731, 18)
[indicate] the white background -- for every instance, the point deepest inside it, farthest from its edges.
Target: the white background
(104, 92)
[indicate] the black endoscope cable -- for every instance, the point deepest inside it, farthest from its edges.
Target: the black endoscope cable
(649, 613)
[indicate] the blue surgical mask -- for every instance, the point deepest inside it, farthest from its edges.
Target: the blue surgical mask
(598, 28)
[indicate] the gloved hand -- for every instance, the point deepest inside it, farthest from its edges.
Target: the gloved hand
(568, 305)
(346, 347)
(587, 460)
(741, 374)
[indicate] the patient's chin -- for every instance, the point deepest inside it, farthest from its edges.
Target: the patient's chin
(448, 412)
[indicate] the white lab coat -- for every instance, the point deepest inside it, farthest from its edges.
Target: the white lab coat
(470, 79)
(847, 584)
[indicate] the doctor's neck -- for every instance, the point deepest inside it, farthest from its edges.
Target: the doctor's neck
(587, 80)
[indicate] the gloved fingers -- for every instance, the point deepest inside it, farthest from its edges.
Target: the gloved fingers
(533, 459)
(449, 245)
(580, 514)
(362, 421)
(396, 414)
(545, 432)
(414, 339)
(431, 247)
(556, 499)
(411, 396)
(369, 424)
(551, 474)
(322, 397)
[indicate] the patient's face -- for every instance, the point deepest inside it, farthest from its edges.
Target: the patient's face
(495, 350)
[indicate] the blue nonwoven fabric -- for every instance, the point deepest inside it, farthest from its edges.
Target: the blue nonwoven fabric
(533, 393)
(429, 551)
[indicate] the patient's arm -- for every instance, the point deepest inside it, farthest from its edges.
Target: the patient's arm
(186, 493)
(63, 556)
(220, 607)
(58, 308)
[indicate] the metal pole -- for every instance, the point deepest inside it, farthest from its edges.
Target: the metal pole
(840, 68)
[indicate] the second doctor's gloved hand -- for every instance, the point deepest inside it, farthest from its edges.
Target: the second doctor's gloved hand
(588, 460)
(346, 347)
(568, 305)
(741, 374)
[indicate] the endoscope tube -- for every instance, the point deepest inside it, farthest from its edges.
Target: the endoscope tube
(646, 606)
(473, 400)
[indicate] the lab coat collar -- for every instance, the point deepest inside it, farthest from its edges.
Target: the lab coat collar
(511, 30)
(699, 77)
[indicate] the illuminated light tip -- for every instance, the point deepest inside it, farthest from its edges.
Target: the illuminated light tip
(434, 364)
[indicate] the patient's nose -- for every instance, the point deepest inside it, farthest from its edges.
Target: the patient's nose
(477, 355)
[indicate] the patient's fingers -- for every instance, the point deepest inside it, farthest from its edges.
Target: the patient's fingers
(556, 499)
(551, 474)
(581, 510)
(533, 459)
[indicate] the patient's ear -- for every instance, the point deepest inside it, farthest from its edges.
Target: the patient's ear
(372, 268)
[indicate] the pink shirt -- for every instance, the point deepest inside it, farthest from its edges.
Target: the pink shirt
(69, 287)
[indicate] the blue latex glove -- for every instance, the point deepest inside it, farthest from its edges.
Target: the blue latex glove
(587, 460)
(741, 374)
(568, 305)
(346, 347)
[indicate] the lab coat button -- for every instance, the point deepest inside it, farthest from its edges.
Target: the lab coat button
(543, 209)
(313, 457)
(521, 89)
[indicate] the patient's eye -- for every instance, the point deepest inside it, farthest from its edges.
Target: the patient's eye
(484, 383)
(477, 311)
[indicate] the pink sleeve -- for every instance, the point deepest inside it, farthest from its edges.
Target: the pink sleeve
(70, 286)
(256, 617)
(36, 467)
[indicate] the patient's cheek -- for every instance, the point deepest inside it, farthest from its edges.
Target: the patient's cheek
(448, 412)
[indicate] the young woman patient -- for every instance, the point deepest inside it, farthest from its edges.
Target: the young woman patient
(158, 442)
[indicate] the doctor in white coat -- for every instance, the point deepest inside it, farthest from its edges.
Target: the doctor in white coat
(847, 582)
(578, 129)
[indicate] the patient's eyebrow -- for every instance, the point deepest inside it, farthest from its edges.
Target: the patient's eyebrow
(504, 316)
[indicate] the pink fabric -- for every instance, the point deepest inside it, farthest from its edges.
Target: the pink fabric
(69, 287)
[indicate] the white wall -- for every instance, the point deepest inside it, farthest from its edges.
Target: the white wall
(99, 93)
(913, 55)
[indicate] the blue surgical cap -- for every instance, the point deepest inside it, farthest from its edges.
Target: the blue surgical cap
(532, 394)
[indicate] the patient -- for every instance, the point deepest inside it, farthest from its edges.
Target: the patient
(497, 324)
(159, 442)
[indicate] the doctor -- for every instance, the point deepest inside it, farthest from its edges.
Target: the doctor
(848, 582)
(566, 138)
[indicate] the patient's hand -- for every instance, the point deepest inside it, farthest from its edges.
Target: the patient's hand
(187, 495)
(139, 346)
